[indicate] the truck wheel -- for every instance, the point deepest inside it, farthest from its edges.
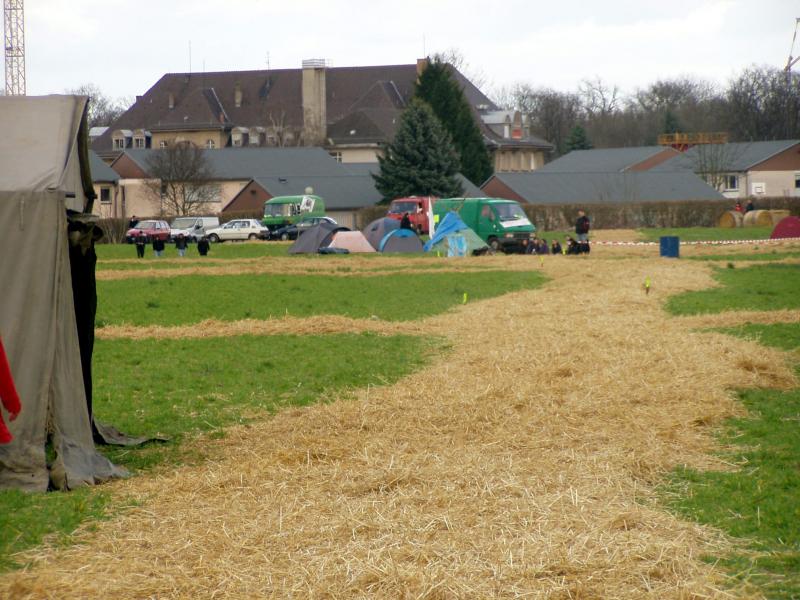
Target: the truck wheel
(494, 244)
(284, 236)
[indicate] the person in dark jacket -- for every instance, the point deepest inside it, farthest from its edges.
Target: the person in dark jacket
(140, 244)
(405, 222)
(555, 247)
(750, 206)
(582, 227)
(203, 246)
(133, 222)
(180, 244)
(158, 247)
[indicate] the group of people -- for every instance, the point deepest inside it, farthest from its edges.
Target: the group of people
(181, 244)
(738, 207)
(573, 245)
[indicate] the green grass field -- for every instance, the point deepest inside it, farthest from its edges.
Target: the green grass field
(760, 502)
(190, 299)
(180, 388)
(759, 287)
(763, 257)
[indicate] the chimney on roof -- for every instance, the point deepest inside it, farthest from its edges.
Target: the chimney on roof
(171, 100)
(315, 109)
(237, 95)
(422, 64)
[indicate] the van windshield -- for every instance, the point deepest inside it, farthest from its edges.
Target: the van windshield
(278, 210)
(183, 223)
(509, 212)
(398, 208)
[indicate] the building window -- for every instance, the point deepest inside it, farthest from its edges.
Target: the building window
(105, 195)
(119, 143)
(797, 181)
(731, 182)
(210, 144)
(336, 155)
(138, 142)
(162, 144)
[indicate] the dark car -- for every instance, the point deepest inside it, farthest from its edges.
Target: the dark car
(150, 230)
(291, 232)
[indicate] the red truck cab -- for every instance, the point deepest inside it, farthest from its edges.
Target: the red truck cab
(417, 208)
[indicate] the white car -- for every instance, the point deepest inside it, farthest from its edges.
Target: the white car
(238, 229)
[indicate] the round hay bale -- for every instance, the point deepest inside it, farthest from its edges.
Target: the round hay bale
(730, 219)
(757, 218)
(778, 215)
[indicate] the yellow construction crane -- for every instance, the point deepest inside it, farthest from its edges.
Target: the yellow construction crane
(790, 63)
(14, 44)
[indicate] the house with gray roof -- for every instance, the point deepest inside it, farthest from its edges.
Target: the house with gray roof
(106, 186)
(744, 169)
(628, 187)
(611, 160)
(232, 168)
(350, 111)
(352, 189)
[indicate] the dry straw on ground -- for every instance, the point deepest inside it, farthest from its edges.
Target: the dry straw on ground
(522, 464)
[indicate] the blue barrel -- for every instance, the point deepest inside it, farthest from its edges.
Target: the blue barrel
(670, 246)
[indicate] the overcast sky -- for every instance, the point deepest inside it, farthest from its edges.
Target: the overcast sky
(125, 46)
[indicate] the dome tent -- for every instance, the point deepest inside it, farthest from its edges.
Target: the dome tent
(401, 240)
(377, 230)
(452, 224)
(48, 305)
(315, 238)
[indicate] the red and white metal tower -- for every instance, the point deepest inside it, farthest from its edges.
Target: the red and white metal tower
(14, 38)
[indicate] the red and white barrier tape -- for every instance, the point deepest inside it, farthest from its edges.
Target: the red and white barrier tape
(697, 243)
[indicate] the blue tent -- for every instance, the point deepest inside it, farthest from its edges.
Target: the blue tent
(452, 224)
(400, 240)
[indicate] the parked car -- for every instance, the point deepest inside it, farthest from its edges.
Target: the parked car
(150, 229)
(292, 232)
(238, 229)
(192, 228)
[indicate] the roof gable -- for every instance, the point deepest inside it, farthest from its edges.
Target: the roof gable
(601, 188)
(733, 156)
(603, 160)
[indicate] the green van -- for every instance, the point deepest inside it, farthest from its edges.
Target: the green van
(502, 224)
(288, 210)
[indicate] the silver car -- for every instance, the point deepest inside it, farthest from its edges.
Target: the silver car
(238, 229)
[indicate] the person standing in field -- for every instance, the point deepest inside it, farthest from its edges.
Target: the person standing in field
(202, 246)
(140, 239)
(158, 247)
(180, 244)
(582, 227)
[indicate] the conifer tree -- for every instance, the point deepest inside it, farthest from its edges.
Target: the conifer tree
(437, 87)
(421, 160)
(577, 140)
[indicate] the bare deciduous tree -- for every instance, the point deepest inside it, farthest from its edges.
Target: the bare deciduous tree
(182, 181)
(102, 110)
(284, 134)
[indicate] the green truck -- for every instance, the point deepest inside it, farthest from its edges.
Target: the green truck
(502, 224)
(288, 210)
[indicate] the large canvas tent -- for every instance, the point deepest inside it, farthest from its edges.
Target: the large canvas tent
(48, 303)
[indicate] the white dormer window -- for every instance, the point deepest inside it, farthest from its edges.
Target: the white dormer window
(119, 143)
(210, 144)
(162, 144)
(139, 142)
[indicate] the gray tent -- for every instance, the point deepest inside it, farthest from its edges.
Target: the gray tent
(314, 238)
(375, 231)
(45, 185)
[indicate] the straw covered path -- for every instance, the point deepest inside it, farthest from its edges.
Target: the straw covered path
(522, 464)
